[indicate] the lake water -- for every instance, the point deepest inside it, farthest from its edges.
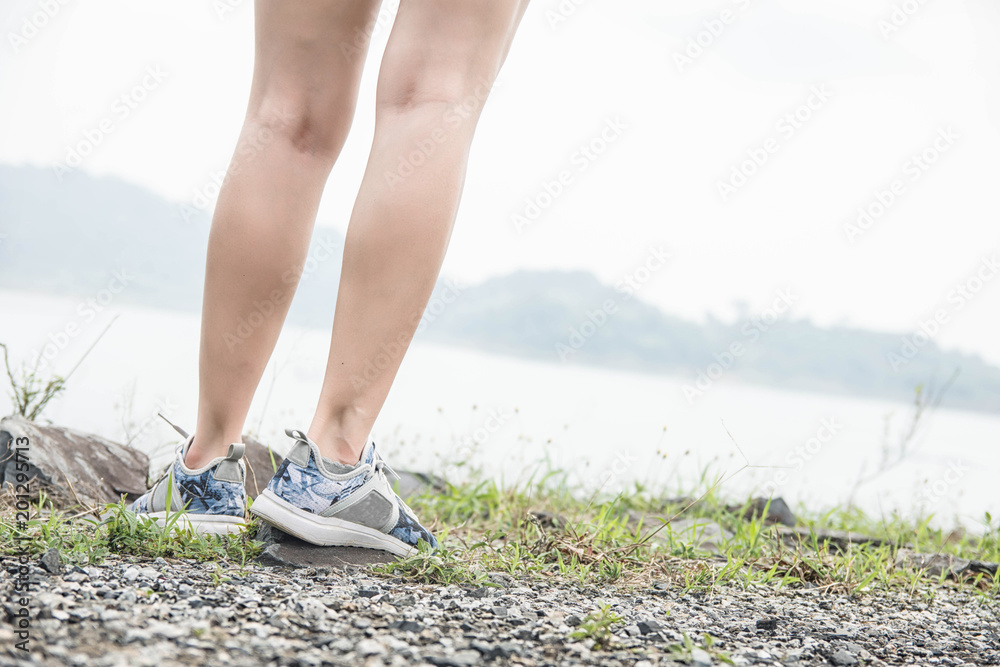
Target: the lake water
(508, 416)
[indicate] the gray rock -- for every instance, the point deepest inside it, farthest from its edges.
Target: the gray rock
(367, 647)
(73, 468)
(777, 511)
(839, 539)
(51, 561)
(700, 658)
(406, 626)
(934, 565)
(843, 658)
(261, 462)
(648, 626)
(413, 484)
(501, 579)
(284, 550)
(767, 624)
(465, 658)
(702, 534)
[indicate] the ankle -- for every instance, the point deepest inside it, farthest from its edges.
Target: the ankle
(206, 447)
(338, 441)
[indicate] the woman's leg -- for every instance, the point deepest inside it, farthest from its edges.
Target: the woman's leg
(306, 75)
(440, 62)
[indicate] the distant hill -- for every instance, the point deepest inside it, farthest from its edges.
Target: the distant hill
(533, 314)
(67, 238)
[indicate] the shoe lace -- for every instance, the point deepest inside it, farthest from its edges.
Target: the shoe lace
(380, 467)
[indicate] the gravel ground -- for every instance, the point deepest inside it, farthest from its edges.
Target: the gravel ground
(174, 613)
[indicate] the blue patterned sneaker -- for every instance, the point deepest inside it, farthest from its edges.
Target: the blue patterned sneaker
(330, 504)
(213, 498)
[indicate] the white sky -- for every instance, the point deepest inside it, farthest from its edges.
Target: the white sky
(657, 182)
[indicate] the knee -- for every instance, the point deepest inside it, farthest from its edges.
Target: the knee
(452, 96)
(305, 126)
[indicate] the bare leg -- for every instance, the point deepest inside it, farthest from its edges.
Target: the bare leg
(306, 76)
(441, 61)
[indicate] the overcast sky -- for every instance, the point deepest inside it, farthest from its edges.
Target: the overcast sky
(870, 97)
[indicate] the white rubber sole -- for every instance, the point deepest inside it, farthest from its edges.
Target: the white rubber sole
(204, 524)
(321, 530)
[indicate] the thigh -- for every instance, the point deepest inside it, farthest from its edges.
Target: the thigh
(439, 50)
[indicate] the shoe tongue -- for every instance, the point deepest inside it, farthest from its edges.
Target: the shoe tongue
(368, 453)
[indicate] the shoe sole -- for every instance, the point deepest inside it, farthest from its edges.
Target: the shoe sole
(324, 531)
(203, 524)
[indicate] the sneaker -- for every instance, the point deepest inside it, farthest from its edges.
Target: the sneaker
(212, 499)
(329, 504)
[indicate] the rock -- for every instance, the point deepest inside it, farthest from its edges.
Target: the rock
(130, 575)
(700, 657)
(838, 539)
(367, 647)
(367, 592)
(549, 520)
(284, 550)
(701, 534)
(260, 464)
(777, 512)
(649, 626)
(51, 561)
(406, 626)
(74, 468)
(843, 658)
(412, 484)
(935, 565)
(501, 579)
(768, 624)
(465, 658)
